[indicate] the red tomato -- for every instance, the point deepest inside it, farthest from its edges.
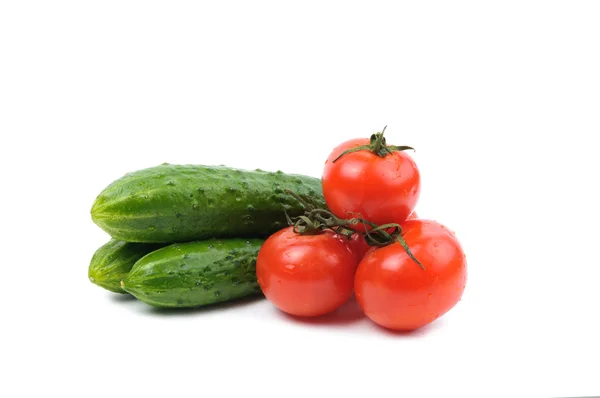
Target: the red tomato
(381, 189)
(359, 245)
(306, 275)
(395, 292)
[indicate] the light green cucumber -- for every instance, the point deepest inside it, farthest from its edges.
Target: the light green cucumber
(113, 260)
(196, 274)
(181, 203)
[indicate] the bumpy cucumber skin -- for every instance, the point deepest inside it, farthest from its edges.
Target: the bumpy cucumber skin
(113, 261)
(196, 274)
(181, 203)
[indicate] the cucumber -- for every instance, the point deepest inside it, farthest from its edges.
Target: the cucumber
(181, 203)
(113, 260)
(196, 274)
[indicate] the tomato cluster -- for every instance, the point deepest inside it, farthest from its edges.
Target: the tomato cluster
(404, 282)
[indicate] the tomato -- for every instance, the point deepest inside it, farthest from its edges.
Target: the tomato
(413, 216)
(395, 292)
(382, 189)
(306, 275)
(360, 246)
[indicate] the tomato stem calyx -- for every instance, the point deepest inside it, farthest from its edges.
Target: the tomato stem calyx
(391, 233)
(377, 145)
(314, 221)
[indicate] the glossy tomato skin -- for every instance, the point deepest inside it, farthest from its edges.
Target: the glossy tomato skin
(306, 275)
(359, 245)
(380, 189)
(396, 293)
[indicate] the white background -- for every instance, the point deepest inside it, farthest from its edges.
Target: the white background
(500, 99)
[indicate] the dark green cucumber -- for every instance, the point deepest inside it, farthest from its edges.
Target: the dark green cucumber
(195, 274)
(180, 203)
(113, 260)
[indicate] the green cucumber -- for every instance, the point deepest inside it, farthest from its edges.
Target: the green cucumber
(113, 260)
(196, 274)
(181, 203)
